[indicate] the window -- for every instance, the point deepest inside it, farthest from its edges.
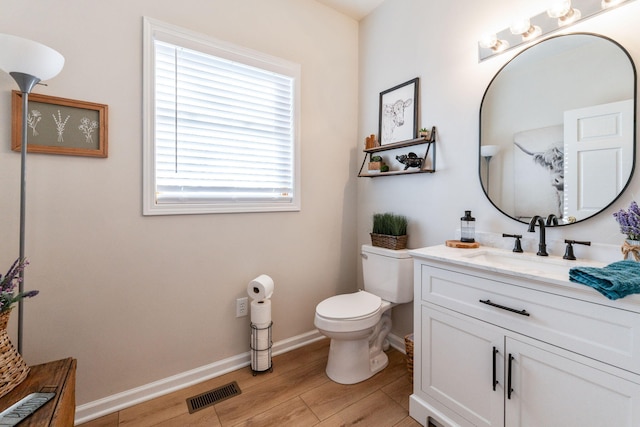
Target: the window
(221, 126)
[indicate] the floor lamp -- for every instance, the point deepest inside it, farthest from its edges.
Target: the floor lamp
(488, 151)
(28, 62)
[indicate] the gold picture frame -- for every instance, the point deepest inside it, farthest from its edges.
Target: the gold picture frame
(60, 126)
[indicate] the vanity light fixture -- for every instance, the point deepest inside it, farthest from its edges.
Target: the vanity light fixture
(560, 14)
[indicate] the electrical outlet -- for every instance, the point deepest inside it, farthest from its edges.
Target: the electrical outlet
(242, 307)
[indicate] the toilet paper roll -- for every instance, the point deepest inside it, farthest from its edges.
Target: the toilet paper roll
(261, 287)
(260, 339)
(261, 313)
(260, 361)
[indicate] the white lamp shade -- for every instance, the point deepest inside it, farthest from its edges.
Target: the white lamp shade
(489, 150)
(29, 57)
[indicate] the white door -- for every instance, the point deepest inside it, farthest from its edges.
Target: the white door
(552, 390)
(458, 365)
(598, 156)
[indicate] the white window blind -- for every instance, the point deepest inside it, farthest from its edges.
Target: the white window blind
(224, 132)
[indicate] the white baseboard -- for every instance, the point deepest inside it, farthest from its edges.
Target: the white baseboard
(107, 405)
(117, 402)
(397, 343)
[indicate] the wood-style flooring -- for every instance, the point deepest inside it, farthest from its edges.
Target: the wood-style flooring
(297, 393)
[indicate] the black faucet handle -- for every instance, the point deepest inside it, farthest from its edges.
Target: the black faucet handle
(568, 254)
(578, 242)
(517, 247)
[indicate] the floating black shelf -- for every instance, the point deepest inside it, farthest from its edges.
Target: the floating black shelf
(431, 147)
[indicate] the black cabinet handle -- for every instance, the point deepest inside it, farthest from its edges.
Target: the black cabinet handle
(513, 310)
(509, 389)
(495, 382)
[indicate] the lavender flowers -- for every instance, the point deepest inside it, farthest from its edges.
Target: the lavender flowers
(629, 221)
(8, 285)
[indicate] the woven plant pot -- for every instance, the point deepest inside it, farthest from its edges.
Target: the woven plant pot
(13, 369)
(389, 242)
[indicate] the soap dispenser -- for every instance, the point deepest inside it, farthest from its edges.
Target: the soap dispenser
(467, 228)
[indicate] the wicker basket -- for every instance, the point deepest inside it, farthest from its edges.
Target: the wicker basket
(13, 369)
(389, 242)
(408, 343)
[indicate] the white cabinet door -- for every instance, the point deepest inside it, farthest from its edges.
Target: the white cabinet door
(458, 365)
(554, 389)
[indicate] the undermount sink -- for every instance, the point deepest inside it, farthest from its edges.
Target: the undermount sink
(549, 266)
(552, 268)
(513, 260)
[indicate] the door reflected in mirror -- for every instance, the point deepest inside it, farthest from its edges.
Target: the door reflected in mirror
(557, 129)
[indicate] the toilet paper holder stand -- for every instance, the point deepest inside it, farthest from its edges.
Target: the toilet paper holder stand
(257, 352)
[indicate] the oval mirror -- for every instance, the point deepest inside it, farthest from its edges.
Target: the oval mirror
(557, 129)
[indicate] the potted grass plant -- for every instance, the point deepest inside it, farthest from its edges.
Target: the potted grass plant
(389, 231)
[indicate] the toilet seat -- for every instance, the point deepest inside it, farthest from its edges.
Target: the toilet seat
(352, 306)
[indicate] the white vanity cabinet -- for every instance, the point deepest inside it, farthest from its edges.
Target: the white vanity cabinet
(493, 348)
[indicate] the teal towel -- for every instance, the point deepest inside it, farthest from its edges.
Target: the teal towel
(614, 281)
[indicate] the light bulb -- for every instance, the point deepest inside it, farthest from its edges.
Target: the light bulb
(563, 11)
(520, 26)
(490, 41)
(524, 28)
(559, 8)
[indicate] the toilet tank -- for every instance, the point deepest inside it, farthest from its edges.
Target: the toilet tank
(388, 273)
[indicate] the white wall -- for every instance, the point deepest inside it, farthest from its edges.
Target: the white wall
(137, 299)
(437, 41)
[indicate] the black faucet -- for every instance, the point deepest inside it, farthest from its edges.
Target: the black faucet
(542, 246)
(552, 219)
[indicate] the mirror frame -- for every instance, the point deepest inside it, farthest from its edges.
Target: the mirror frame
(635, 129)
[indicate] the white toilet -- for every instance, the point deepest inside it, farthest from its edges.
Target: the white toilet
(358, 323)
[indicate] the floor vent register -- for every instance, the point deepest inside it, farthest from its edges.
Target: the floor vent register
(212, 397)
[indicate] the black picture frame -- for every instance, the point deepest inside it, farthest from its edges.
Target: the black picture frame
(398, 114)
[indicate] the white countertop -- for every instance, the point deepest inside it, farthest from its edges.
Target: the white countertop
(526, 265)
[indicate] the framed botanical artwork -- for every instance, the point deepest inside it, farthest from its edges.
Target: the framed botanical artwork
(60, 126)
(398, 120)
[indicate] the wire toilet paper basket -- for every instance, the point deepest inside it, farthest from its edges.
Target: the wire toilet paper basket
(261, 344)
(260, 290)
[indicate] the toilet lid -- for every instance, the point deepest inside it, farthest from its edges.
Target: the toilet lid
(349, 306)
